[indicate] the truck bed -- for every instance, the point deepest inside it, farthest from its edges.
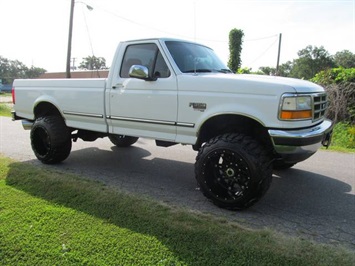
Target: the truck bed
(82, 101)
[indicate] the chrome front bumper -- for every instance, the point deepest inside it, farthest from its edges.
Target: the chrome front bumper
(293, 146)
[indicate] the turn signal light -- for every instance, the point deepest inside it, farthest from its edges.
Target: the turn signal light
(304, 114)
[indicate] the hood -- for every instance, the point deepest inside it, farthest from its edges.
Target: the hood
(246, 83)
(301, 86)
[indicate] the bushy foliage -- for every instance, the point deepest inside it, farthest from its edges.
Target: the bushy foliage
(340, 86)
(335, 76)
(244, 70)
(344, 136)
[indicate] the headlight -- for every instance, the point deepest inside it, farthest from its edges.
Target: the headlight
(294, 107)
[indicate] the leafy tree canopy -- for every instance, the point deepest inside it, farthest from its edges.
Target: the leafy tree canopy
(14, 69)
(345, 59)
(93, 63)
(311, 61)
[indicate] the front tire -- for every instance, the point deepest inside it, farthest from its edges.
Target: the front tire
(50, 139)
(233, 171)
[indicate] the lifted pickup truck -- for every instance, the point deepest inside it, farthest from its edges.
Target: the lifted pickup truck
(175, 91)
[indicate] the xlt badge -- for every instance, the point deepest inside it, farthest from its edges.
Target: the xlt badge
(198, 106)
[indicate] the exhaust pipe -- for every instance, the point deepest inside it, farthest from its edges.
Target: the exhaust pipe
(27, 125)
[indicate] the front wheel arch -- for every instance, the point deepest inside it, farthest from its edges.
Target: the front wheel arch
(236, 123)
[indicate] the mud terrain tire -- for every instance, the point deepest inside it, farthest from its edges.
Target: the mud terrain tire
(50, 139)
(233, 170)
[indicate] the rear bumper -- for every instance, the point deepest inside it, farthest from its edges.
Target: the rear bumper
(26, 124)
(14, 116)
(294, 146)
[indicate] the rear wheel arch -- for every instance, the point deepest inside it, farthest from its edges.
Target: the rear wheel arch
(43, 109)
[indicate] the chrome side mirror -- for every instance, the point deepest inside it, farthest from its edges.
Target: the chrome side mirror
(140, 72)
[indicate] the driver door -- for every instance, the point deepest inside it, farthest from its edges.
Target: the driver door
(144, 108)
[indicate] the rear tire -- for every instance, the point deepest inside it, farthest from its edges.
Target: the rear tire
(50, 139)
(122, 140)
(233, 171)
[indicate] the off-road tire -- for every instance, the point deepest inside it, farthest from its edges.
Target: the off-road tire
(233, 170)
(50, 139)
(122, 140)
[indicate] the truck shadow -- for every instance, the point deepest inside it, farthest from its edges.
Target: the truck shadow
(311, 193)
(295, 195)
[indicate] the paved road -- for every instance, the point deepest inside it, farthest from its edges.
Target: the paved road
(314, 200)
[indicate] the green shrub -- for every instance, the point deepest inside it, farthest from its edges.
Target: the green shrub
(340, 86)
(344, 136)
(335, 75)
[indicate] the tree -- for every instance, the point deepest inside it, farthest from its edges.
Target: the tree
(345, 59)
(311, 61)
(34, 72)
(235, 49)
(285, 69)
(270, 71)
(93, 63)
(13, 69)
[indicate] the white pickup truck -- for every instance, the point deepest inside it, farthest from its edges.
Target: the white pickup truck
(175, 91)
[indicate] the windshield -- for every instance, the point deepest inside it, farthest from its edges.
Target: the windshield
(193, 58)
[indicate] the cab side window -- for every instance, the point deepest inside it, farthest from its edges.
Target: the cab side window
(147, 55)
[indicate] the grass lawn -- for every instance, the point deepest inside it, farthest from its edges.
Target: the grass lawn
(52, 218)
(5, 110)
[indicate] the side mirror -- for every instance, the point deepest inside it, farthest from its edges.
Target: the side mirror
(140, 72)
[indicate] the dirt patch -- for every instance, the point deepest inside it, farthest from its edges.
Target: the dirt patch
(5, 99)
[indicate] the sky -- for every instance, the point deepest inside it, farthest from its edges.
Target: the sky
(35, 32)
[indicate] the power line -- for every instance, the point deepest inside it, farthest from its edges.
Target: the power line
(264, 52)
(261, 38)
(178, 35)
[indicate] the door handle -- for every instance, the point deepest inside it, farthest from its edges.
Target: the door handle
(117, 86)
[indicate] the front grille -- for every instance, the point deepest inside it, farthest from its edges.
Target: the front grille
(319, 106)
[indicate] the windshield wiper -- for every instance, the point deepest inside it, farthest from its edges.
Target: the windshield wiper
(224, 70)
(199, 70)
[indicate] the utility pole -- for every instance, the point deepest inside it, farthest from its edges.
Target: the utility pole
(278, 55)
(73, 65)
(70, 38)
